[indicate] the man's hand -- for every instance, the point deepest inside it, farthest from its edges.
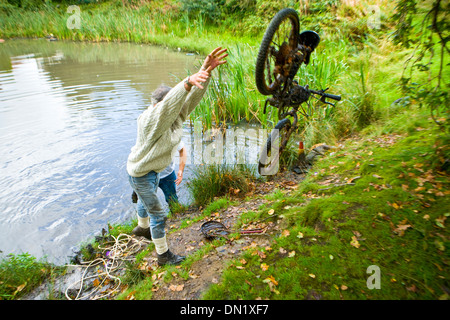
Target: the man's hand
(214, 59)
(179, 177)
(197, 79)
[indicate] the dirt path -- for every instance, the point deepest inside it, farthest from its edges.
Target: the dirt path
(209, 268)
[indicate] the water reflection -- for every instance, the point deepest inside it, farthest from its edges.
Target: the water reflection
(67, 122)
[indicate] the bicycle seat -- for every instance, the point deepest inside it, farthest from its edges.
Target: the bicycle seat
(310, 39)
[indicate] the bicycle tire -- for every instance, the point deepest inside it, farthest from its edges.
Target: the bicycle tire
(262, 83)
(267, 166)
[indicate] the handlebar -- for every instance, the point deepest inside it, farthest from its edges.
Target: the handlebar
(326, 95)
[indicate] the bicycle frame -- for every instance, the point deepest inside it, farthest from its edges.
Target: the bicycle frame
(276, 67)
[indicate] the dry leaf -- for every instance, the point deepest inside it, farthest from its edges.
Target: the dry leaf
(401, 228)
(20, 288)
(291, 254)
(178, 288)
(285, 233)
(344, 287)
(282, 250)
(300, 235)
(312, 275)
(264, 267)
(271, 211)
(270, 279)
(355, 242)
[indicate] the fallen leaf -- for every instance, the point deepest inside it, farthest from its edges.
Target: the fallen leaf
(300, 235)
(355, 242)
(418, 189)
(282, 250)
(440, 221)
(312, 275)
(291, 254)
(413, 288)
(20, 288)
(96, 283)
(285, 233)
(377, 176)
(177, 288)
(264, 267)
(396, 206)
(401, 228)
(270, 279)
(243, 261)
(271, 211)
(344, 287)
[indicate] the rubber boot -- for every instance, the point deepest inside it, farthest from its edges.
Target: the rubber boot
(169, 258)
(142, 232)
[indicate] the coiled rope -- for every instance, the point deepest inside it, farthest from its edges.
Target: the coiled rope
(123, 248)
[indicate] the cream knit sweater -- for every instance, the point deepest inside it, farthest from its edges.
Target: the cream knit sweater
(159, 130)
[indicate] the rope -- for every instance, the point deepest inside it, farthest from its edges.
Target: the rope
(122, 248)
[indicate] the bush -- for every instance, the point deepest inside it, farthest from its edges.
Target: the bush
(210, 9)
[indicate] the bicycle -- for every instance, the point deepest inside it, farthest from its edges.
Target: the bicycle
(283, 50)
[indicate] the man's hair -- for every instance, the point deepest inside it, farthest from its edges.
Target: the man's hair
(159, 94)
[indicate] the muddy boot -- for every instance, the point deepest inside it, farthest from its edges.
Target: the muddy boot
(142, 232)
(170, 258)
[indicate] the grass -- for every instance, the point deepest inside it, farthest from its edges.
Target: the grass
(393, 217)
(217, 180)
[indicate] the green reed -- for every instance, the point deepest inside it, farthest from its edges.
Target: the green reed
(232, 96)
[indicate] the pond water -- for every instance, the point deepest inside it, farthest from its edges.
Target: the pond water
(68, 115)
(67, 122)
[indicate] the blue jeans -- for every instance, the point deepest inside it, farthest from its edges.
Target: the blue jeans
(148, 205)
(167, 185)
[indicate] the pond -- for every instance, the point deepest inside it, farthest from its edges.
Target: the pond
(68, 115)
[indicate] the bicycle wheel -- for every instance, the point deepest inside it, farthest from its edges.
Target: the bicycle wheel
(268, 163)
(275, 60)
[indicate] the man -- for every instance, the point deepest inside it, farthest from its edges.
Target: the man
(158, 134)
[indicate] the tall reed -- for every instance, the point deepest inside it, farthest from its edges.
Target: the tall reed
(232, 96)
